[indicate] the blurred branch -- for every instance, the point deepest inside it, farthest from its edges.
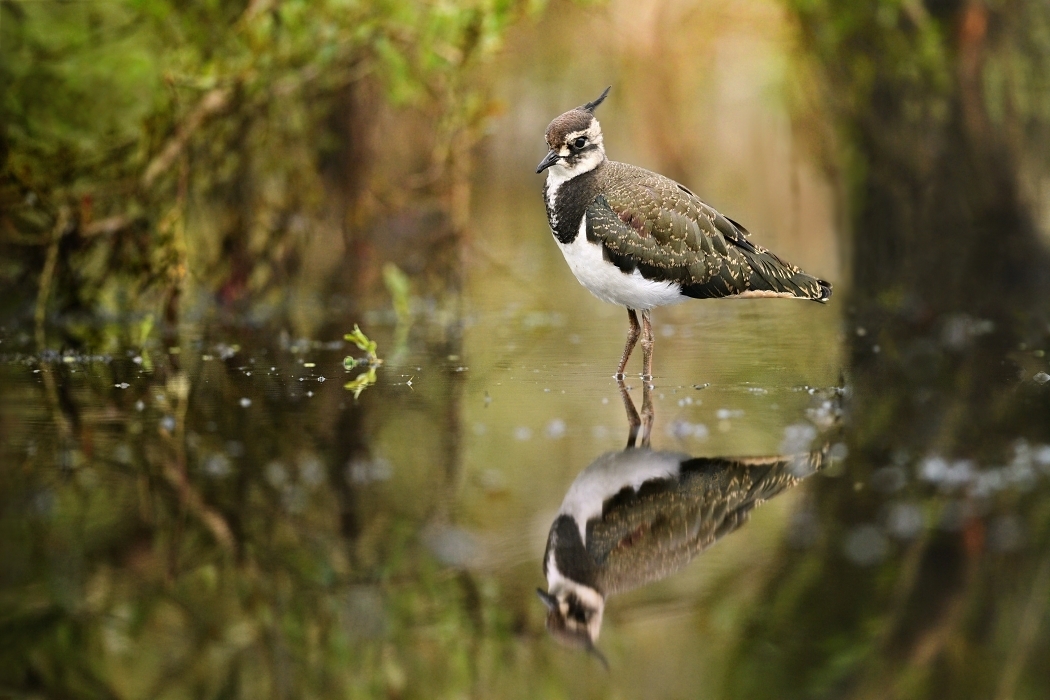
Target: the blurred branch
(174, 471)
(1031, 618)
(106, 226)
(213, 102)
(48, 273)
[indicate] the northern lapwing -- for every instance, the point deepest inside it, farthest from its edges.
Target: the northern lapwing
(638, 516)
(641, 240)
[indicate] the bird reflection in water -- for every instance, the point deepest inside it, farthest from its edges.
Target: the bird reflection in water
(637, 516)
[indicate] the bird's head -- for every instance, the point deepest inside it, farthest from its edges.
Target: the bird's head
(575, 141)
(574, 616)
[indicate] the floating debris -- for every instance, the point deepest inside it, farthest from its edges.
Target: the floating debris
(1041, 378)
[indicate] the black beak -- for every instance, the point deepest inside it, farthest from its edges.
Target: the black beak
(550, 601)
(550, 159)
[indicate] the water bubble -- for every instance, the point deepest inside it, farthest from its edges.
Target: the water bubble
(365, 471)
(865, 545)
(168, 423)
(904, 520)
(452, 546)
(797, 438)
(954, 515)
(122, 453)
(888, 479)
(681, 429)
(555, 429)
(139, 405)
(1006, 533)
(949, 475)
(217, 465)
(245, 402)
(1041, 378)
(276, 474)
(44, 504)
(522, 433)
(1041, 456)
(803, 529)
(294, 498)
(311, 469)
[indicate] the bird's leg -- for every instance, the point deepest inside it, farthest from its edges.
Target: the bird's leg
(648, 414)
(633, 421)
(647, 347)
(632, 338)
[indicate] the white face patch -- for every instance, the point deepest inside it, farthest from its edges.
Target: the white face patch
(560, 172)
(560, 587)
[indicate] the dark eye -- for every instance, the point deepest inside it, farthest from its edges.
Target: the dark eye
(580, 142)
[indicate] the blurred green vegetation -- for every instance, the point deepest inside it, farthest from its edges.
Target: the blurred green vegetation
(942, 121)
(174, 529)
(155, 150)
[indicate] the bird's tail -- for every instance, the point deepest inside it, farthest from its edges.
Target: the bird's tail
(773, 277)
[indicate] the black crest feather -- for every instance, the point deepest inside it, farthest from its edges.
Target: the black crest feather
(590, 106)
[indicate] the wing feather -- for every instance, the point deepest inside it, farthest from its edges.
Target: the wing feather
(651, 223)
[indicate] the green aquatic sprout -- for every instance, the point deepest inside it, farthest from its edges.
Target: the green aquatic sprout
(372, 362)
(400, 288)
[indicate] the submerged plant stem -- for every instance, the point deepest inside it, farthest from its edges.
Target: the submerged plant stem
(46, 276)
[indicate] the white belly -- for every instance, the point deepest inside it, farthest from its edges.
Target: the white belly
(608, 283)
